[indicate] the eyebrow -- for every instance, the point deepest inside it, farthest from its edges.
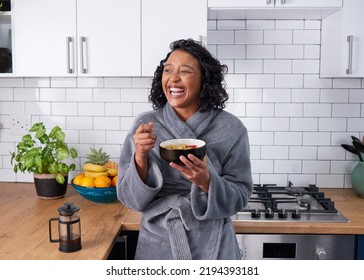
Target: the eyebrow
(183, 65)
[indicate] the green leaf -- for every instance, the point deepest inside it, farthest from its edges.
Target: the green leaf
(53, 168)
(40, 132)
(29, 162)
(36, 126)
(60, 135)
(72, 166)
(26, 137)
(62, 153)
(38, 163)
(73, 153)
(59, 178)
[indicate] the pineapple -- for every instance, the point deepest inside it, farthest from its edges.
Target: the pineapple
(97, 157)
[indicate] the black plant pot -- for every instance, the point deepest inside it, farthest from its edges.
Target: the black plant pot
(48, 188)
(5, 60)
(6, 6)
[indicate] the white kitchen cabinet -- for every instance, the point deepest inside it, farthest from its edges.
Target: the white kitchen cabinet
(272, 9)
(76, 37)
(274, 3)
(164, 21)
(342, 42)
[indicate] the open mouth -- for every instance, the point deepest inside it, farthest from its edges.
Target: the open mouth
(177, 91)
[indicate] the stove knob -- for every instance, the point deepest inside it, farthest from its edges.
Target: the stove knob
(269, 214)
(282, 214)
(321, 253)
(255, 213)
(296, 214)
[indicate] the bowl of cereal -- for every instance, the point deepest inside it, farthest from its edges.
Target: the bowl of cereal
(171, 150)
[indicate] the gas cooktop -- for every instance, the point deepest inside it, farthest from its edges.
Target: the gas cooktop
(272, 203)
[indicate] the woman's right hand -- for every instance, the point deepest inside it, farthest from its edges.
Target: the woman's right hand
(144, 141)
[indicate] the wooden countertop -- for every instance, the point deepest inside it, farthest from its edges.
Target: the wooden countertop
(346, 201)
(24, 224)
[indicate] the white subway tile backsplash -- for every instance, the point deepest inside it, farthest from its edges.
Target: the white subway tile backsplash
(302, 152)
(37, 82)
(26, 94)
(287, 166)
(288, 110)
(289, 81)
(296, 120)
(316, 166)
(260, 51)
(231, 51)
(106, 95)
(288, 138)
(63, 82)
(317, 110)
(289, 24)
(39, 108)
(316, 138)
(306, 36)
(330, 181)
(334, 95)
(332, 124)
(260, 24)
(276, 95)
(346, 110)
(259, 81)
(78, 94)
(278, 37)
(289, 51)
(303, 124)
(220, 37)
(67, 108)
(88, 109)
(248, 66)
(275, 124)
(52, 94)
(306, 66)
(230, 24)
(346, 83)
(277, 66)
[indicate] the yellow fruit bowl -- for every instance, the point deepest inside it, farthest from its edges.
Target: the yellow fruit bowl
(97, 195)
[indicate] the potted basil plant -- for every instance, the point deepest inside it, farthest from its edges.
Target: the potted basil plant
(45, 155)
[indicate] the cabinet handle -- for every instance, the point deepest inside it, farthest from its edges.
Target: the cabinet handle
(83, 48)
(283, 2)
(69, 42)
(349, 70)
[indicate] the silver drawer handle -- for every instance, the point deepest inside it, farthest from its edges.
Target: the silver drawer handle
(349, 70)
(83, 54)
(69, 42)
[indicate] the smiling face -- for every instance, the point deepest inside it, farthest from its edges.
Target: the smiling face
(181, 82)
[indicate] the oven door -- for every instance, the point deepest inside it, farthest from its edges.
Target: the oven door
(296, 247)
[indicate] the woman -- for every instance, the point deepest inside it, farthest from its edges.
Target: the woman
(186, 209)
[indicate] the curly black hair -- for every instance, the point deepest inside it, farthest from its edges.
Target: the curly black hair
(213, 94)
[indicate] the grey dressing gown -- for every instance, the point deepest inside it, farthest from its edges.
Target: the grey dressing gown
(180, 221)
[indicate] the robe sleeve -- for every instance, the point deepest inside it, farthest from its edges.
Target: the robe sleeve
(131, 190)
(230, 191)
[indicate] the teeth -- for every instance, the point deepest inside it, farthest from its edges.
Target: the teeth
(176, 91)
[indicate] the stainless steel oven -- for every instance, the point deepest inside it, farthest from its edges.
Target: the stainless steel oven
(290, 204)
(296, 247)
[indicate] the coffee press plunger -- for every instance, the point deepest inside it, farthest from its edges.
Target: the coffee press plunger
(69, 228)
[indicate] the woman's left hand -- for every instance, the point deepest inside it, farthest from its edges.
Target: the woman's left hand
(195, 170)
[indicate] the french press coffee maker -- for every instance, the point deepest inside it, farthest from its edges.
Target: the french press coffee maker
(69, 228)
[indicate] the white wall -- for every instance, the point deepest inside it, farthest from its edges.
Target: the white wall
(296, 120)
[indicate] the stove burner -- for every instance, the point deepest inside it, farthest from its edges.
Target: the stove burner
(271, 203)
(303, 202)
(295, 191)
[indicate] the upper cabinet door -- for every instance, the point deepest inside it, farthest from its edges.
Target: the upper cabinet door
(108, 35)
(309, 3)
(164, 21)
(274, 3)
(44, 33)
(342, 42)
